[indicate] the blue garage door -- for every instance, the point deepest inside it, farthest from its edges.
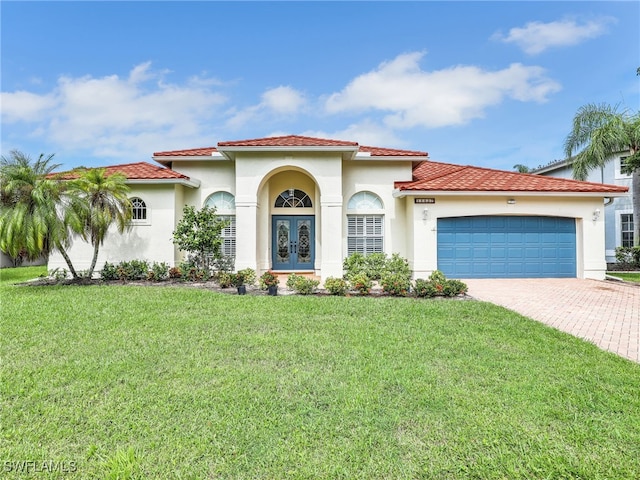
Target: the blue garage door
(507, 247)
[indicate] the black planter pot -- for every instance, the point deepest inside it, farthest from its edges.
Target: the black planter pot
(273, 290)
(242, 290)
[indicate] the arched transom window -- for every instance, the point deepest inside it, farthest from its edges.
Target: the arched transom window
(139, 209)
(222, 201)
(365, 201)
(225, 205)
(365, 224)
(293, 198)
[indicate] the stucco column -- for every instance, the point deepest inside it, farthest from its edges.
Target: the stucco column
(331, 236)
(246, 247)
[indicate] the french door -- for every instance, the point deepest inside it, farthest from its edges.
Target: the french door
(293, 245)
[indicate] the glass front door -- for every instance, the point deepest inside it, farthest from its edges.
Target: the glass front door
(293, 242)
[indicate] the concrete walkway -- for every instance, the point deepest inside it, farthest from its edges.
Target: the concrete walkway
(606, 313)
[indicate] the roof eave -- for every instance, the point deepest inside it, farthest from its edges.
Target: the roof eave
(348, 151)
(164, 181)
(398, 193)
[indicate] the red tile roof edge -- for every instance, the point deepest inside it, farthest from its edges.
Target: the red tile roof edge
(467, 178)
(292, 141)
(133, 171)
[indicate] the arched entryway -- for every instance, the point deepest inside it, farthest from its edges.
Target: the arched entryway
(290, 233)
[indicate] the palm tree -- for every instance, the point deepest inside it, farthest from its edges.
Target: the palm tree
(103, 203)
(520, 168)
(33, 220)
(600, 131)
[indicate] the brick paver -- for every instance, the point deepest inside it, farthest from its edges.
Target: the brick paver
(606, 313)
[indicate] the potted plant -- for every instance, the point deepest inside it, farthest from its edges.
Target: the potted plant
(269, 281)
(238, 281)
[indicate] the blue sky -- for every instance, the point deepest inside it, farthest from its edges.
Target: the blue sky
(481, 83)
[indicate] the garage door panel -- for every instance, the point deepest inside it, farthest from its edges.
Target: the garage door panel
(507, 246)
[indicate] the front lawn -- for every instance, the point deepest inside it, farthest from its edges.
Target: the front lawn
(628, 277)
(177, 382)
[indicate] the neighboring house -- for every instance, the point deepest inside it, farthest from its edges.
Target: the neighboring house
(304, 204)
(618, 211)
(6, 261)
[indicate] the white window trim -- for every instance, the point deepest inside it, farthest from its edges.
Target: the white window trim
(226, 212)
(146, 221)
(619, 214)
(618, 168)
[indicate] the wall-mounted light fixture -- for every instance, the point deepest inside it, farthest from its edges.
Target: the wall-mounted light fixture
(596, 214)
(511, 201)
(425, 213)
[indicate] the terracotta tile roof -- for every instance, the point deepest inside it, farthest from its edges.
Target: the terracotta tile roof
(133, 171)
(292, 141)
(392, 152)
(435, 176)
(288, 141)
(193, 152)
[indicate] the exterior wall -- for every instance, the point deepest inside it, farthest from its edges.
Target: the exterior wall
(609, 174)
(150, 240)
(379, 177)
(589, 233)
(260, 177)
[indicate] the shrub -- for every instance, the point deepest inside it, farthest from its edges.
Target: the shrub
(361, 283)
(396, 284)
(249, 276)
(302, 285)
(336, 286)
(455, 287)
(398, 264)
(354, 264)
(225, 279)
(375, 265)
(109, 272)
(133, 270)
(438, 285)
(158, 272)
(175, 272)
(195, 274)
(237, 279)
(268, 279)
(628, 257)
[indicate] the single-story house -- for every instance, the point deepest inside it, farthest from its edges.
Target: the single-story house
(618, 210)
(302, 204)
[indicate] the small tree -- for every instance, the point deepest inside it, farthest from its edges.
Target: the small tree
(199, 233)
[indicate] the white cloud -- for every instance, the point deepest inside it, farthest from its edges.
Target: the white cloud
(536, 37)
(366, 132)
(413, 97)
(24, 106)
(282, 100)
(114, 116)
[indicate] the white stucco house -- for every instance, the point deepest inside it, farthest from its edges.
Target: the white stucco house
(303, 204)
(618, 209)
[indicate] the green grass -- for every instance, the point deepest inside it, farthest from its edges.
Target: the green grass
(629, 277)
(152, 382)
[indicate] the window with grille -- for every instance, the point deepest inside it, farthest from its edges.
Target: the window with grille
(225, 205)
(293, 198)
(228, 235)
(365, 234)
(365, 224)
(626, 223)
(139, 209)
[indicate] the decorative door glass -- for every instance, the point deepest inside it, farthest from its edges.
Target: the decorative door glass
(293, 242)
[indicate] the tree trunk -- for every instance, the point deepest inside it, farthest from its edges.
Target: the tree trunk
(635, 186)
(96, 248)
(65, 255)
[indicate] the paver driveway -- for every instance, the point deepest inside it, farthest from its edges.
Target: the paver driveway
(603, 312)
